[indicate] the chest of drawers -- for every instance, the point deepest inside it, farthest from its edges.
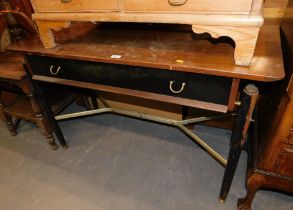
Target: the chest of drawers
(238, 19)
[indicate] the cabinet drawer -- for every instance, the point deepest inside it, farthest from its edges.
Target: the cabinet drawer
(188, 6)
(74, 5)
(207, 88)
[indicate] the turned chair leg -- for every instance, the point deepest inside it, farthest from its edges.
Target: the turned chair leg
(7, 119)
(241, 125)
(42, 120)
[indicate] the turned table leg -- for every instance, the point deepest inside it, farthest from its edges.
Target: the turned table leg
(241, 125)
(7, 119)
(244, 37)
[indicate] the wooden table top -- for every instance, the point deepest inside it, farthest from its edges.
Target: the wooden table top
(172, 47)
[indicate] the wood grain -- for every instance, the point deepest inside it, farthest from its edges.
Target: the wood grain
(45, 31)
(160, 46)
(244, 38)
(216, 15)
(75, 5)
(201, 6)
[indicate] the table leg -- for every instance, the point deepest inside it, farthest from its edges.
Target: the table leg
(93, 97)
(239, 132)
(49, 114)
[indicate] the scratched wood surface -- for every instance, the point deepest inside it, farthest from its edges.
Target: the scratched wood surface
(164, 47)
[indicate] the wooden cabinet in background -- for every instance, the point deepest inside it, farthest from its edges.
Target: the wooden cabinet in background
(270, 163)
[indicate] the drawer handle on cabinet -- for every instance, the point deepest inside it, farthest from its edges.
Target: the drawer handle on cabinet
(176, 91)
(54, 72)
(66, 1)
(177, 2)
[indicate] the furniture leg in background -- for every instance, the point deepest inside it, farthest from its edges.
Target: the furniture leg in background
(25, 103)
(6, 118)
(239, 132)
(42, 119)
(271, 162)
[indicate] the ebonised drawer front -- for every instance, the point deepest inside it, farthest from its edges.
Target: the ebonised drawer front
(207, 88)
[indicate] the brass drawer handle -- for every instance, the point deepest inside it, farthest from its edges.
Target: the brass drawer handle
(177, 2)
(54, 72)
(65, 1)
(176, 91)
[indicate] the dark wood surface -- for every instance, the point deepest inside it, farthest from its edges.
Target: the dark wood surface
(26, 106)
(11, 66)
(169, 47)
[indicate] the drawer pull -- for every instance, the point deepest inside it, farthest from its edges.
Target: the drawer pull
(66, 1)
(54, 72)
(177, 2)
(176, 91)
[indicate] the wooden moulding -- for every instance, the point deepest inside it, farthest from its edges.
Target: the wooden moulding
(45, 31)
(244, 37)
(243, 29)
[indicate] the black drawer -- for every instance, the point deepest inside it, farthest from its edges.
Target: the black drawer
(207, 88)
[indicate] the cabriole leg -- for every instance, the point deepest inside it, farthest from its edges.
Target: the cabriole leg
(253, 184)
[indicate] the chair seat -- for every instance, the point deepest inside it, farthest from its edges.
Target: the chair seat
(11, 66)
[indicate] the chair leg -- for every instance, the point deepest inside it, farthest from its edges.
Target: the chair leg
(241, 125)
(42, 119)
(43, 122)
(7, 119)
(8, 122)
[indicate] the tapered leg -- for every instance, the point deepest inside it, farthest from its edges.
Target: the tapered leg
(7, 119)
(49, 114)
(241, 125)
